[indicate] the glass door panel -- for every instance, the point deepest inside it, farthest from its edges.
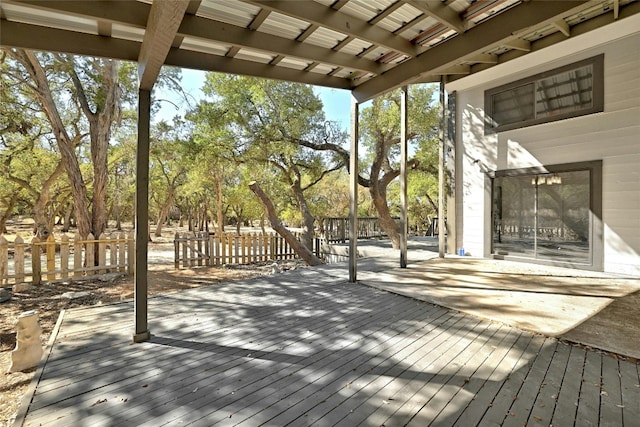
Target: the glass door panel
(514, 216)
(563, 218)
(543, 216)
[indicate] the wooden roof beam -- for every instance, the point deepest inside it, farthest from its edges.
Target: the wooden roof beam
(440, 12)
(316, 13)
(162, 26)
(493, 33)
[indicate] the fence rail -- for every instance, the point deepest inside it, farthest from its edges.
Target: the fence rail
(202, 249)
(336, 229)
(49, 260)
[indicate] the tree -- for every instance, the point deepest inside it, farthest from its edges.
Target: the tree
(81, 99)
(380, 135)
(98, 104)
(260, 123)
(167, 169)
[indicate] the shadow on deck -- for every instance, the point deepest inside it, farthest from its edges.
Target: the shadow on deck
(306, 347)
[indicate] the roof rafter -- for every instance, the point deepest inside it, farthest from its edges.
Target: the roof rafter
(55, 40)
(316, 13)
(439, 11)
(473, 42)
(207, 29)
(135, 14)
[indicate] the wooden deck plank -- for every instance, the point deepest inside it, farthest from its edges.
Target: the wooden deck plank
(630, 387)
(501, 404)
(610, 394)
(522, 406)
(545, 403)
(490, 382)
(115, 361)
(588, 412)
(567, 403)
(312, 349)
(348, 401)
(474, 381)
(435, 408)
(294, 395)
(185, 367)
(258, 377)
(204, 384)
(284, 388)
(416, 343)
(423, 394)
(383, 402)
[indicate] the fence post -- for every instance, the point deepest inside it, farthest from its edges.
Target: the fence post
(113, 252)
(36, 269)
(64, 256)
(243, 244)
(4, 260)
(236, 247)
(206, 240)
(51, 257)
(77, 255)
(90, 249)
(122, 250)
(19, 259)
(199, 237)
(185, 260)
(230, 248)
(223, 248)
(102, 253)
(176, 251)
(131, 254)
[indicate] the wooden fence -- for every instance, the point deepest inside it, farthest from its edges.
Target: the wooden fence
(336, 229)
(202, 249)
(50, 260)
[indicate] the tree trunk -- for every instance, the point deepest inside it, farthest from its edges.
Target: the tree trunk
(308, 219)
(387, 223)
(219, 206)
(68, 212)
(65, 144)
(7, 213)
(300, 249)
(164, 212)
(100, 122)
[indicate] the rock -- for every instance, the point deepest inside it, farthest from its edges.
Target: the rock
(22, 287)
(5, 295)
(28, 349)
(74, 295)
(108, 277)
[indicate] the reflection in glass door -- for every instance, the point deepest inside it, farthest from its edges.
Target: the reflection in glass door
(543, 216)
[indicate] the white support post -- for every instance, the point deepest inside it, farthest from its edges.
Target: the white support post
(404, 99)
(353, 205)
(442, 228)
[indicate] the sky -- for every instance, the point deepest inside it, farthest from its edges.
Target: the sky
(337, 102)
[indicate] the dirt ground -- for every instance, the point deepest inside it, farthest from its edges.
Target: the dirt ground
(48, 301)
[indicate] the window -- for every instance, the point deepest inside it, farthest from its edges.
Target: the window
(570, 91)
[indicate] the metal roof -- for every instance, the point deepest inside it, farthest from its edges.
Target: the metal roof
(366, 46)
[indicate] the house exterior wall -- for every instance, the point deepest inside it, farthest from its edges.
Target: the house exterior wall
(612, 136)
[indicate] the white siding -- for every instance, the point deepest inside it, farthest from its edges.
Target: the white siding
(612, 136)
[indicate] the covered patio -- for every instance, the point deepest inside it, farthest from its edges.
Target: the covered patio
(366, 47)
(313, 346)
(309, 348)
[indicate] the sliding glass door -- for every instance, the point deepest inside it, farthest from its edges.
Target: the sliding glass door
(544, 216)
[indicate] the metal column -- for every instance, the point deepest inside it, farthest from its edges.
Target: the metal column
(141, 332)
(404, 95)
(353, 205)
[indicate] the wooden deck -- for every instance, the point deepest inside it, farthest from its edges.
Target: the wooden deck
(306, 348)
